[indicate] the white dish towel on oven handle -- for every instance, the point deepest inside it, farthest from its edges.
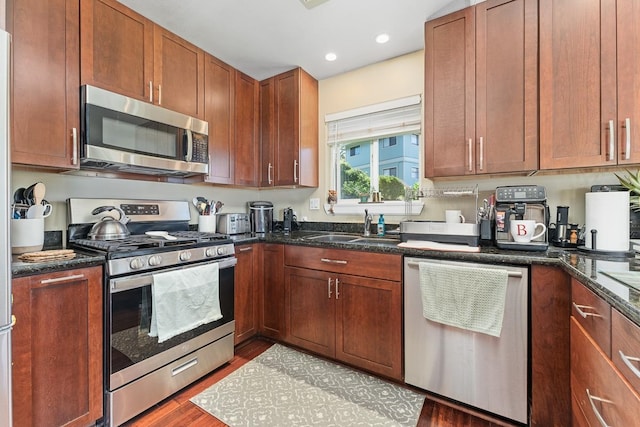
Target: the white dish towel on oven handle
(184, 299)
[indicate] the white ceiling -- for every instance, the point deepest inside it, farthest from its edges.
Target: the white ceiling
(265, 37)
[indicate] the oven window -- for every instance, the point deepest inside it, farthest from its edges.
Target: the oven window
(131, 311)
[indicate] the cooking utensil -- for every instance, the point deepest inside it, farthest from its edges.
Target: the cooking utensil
(163, 234)
(109, 228)
(18, 196)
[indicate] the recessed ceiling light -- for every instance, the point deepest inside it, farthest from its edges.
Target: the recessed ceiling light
(382, 38)
(330, 56)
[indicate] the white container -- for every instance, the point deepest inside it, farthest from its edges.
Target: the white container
(207, 223)
(27, 235)
(607, 213)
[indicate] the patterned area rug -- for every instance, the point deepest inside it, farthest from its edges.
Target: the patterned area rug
(283, 387)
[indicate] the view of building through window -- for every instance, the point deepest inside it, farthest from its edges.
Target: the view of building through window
(387, 165)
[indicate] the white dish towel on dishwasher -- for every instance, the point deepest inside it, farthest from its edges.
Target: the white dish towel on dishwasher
(470, 298)
(184, 299)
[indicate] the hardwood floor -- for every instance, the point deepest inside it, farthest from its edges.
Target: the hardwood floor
(178, 411)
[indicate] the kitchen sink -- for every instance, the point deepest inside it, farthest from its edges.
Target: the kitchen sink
(381, 241)
(333, 238)
(353, 239)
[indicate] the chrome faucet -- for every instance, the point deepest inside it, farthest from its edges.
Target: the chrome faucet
(367, 223)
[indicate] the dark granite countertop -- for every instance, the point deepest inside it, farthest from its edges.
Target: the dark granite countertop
(20, 268)
(585, 267)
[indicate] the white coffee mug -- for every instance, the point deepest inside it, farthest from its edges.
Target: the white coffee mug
(522, 230)
(453, 216)
(207, 223)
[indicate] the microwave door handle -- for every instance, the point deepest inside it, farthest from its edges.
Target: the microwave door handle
(189, 145)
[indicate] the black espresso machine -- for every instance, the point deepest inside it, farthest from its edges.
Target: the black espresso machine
(520, 202)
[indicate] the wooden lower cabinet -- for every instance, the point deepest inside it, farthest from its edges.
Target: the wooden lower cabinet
(602, 396)
(272, 295)
(550, 358)
(354, 319)
(247, 281)
(57, 348)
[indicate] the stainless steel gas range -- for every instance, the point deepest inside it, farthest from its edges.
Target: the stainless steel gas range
(157, 278)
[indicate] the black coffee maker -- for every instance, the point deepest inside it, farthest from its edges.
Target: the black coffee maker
(516, 203)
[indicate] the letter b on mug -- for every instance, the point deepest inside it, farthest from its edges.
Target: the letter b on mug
(522, 230)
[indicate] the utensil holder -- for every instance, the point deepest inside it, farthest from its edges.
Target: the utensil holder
(27, 235)
(207, 223)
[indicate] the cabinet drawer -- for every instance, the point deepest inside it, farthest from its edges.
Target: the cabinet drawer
(625, 348)
(366, 264)
(593, 313)
(597, 386)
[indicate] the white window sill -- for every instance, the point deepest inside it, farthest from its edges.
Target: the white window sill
(386, 208)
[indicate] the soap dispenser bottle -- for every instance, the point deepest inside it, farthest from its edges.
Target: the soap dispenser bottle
(381, 226)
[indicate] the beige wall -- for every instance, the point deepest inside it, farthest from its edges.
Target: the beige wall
(396, 78)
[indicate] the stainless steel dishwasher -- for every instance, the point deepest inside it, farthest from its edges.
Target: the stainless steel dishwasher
(486, 372)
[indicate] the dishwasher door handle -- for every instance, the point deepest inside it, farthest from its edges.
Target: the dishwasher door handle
(509, 273)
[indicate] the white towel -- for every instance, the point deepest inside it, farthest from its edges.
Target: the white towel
(470, 298)
(184, 299)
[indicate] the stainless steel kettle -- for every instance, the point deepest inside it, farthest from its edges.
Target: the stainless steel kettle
(109, 228)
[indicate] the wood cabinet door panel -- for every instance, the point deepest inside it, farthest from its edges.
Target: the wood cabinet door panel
(597, 315)
(57, 348)
(593, 374)
(625, 348)
(450, 95)
(628, 49)
(117, 49)
(246, 126)
(45, 96)
(355, 263)
(219, 83)
(246, 279)
(287, 128)
(178, 74)
(272, 295)
(369, 324)
(267, 137)
(577, 82)
(506, 86)
(310, 310)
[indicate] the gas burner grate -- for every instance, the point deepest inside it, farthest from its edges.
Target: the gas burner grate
(142, 241)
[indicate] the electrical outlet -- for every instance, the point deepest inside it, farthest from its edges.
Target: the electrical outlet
(314, 204)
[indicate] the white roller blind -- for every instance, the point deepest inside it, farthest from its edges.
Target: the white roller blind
(375, 121)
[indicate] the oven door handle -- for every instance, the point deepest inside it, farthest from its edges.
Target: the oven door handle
(146, 279)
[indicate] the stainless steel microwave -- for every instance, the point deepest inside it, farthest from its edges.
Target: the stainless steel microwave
(125, 134)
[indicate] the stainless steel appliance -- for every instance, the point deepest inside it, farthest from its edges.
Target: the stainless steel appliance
(234, 223)
(5, 241)
(476, 369)
(520, 202)
(125, 134)
(141, 369)
(441, 232)
(261, 216)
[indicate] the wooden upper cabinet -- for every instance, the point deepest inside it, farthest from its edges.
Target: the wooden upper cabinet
(44, 82)
(124, 52)
(481, 79)
(178, 74)
(289, 130)
(589, 83)
(219, 85)
(246, 112)
(117, 49)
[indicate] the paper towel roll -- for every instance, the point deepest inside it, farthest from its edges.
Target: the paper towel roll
(608, 213)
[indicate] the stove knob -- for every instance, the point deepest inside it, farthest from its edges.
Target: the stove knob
(222, 250)
(209, 252)
(136, 263)
(185, 256)
(155, 260)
